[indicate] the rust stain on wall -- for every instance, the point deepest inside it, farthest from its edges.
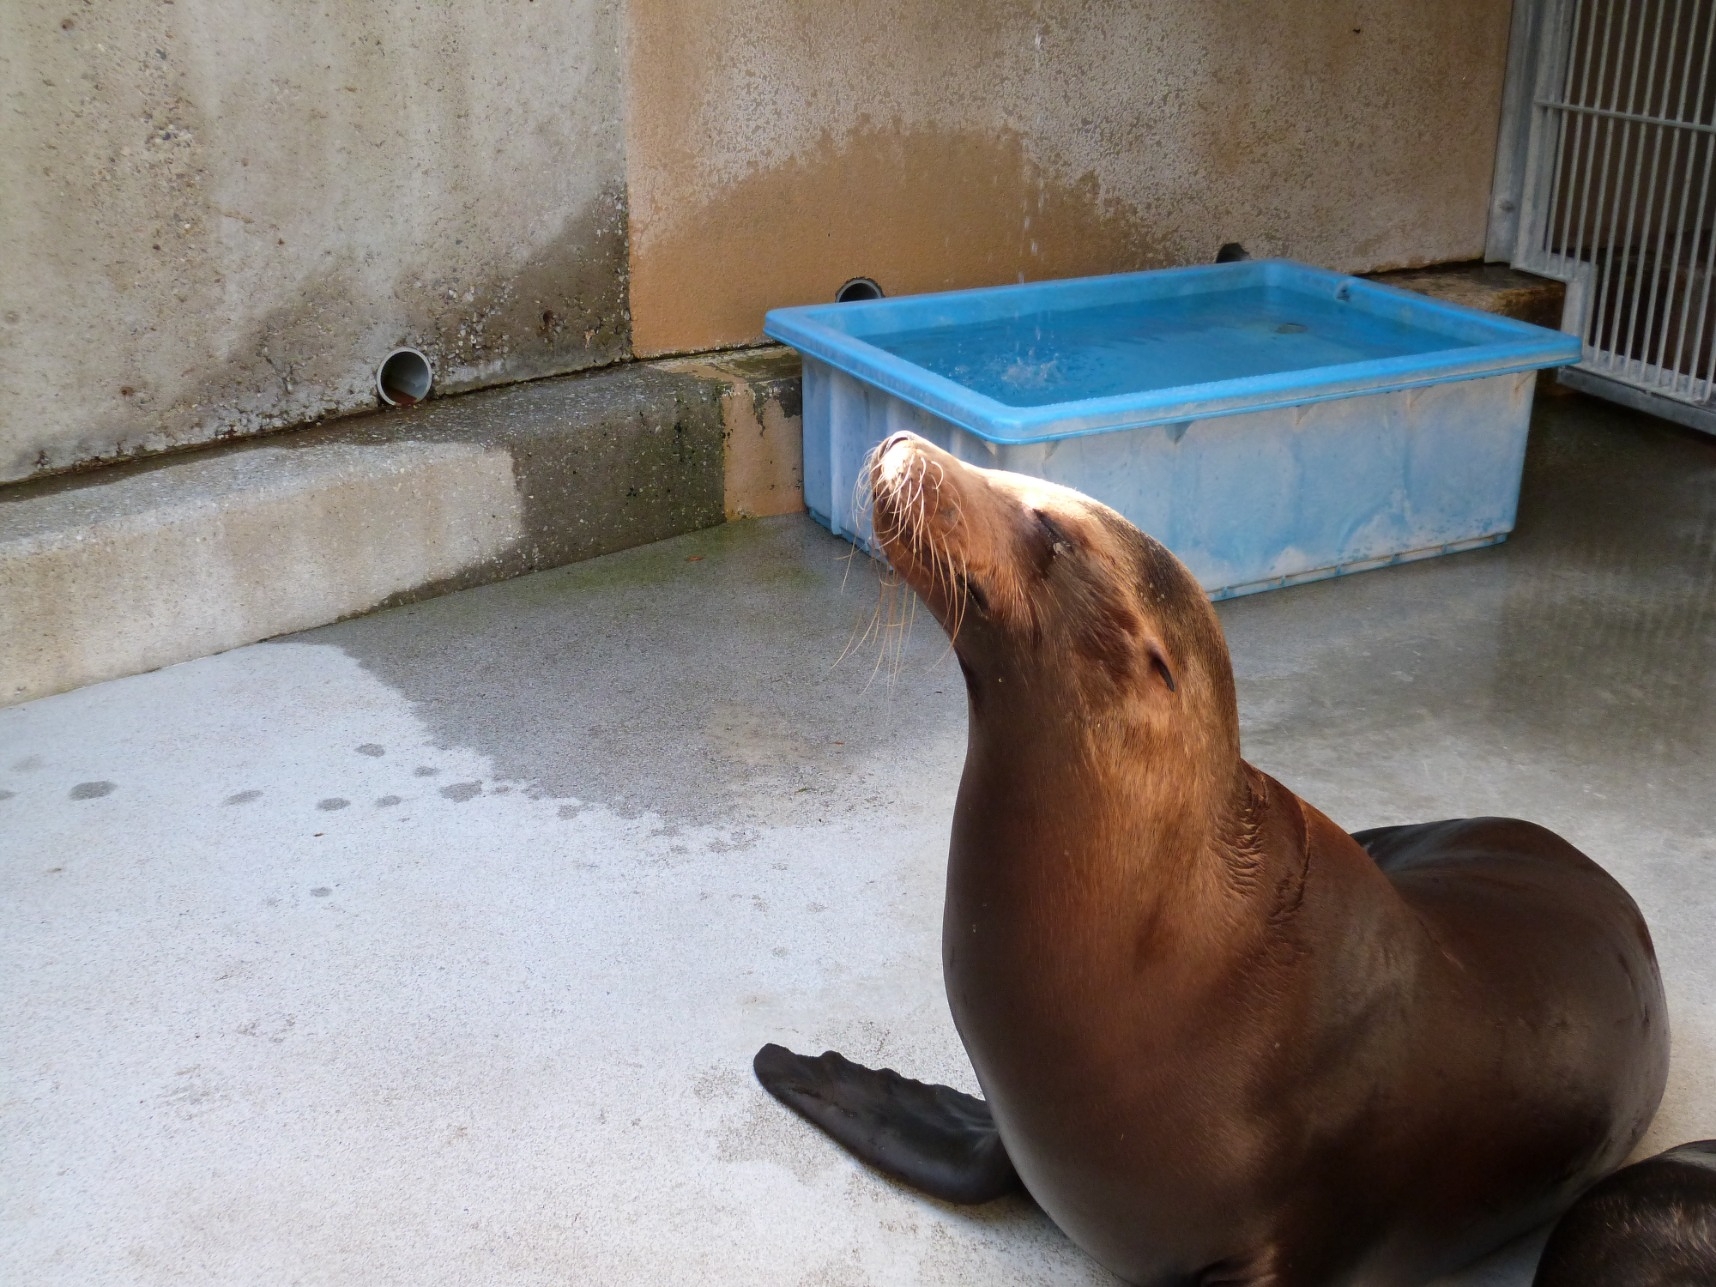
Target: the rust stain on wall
(777, 147)
(916, 209)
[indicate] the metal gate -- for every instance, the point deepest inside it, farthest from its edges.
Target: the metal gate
(1604, 180)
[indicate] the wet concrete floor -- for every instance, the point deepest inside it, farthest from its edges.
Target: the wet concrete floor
(432, 947)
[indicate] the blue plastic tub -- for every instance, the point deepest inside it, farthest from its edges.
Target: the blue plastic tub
(1269, 422)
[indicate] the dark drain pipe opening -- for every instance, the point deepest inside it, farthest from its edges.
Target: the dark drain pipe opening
(857, 290)
(404, 377)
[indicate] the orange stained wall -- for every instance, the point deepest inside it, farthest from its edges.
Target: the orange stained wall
(776, 148)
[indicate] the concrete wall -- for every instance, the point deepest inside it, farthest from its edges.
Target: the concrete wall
(778, 147)
(217, 217)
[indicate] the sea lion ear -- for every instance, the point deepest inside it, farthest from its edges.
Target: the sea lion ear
(1159, 664)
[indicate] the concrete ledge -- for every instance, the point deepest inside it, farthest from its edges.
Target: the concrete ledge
(141, 566)
(762, 412)
(1490, 288)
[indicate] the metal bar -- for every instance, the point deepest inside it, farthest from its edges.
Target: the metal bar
(1647, 268)
(1552, 190)
(1686, 357)
(1709, 393)
(1626, 282)
(1599, 232)
(1683, 413)
(1586, 255)
(1612, 280)
(1600, 312)
(1673, 258)
(1684, 330)
(1643, 118)
(1709, 277)
(1636, 249)
(1583, 58)
(1650, 376)
(1668, 259)
(1513, 140)
(1556, 202)
(1552, 49)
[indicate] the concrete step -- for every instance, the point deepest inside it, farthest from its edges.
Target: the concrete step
(131, 568)
(135, 567)
(1490, 288)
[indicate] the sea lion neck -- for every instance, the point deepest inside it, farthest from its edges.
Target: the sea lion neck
(1136, 805)
(1090, 654)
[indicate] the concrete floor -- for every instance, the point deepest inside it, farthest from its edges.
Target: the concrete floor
(433, 947)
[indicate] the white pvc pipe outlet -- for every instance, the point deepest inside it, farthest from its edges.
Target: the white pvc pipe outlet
(858, 289)
(404, 377)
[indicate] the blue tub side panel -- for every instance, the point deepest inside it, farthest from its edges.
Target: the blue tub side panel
(1467, 457)
(818, 423)
(1247, 501)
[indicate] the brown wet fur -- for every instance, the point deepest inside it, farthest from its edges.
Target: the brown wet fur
(1222, 1042)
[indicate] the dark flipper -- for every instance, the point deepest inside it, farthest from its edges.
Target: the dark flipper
(930, 1137)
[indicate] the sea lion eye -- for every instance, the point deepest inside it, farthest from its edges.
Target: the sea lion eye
(1159, 664)
(973, 594)
(1059, 545)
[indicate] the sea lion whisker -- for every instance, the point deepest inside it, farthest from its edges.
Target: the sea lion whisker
(854, 639)
(889, 628)
(960, 580)
(848, 558)
(881, 652)
(959, 602)
(941, 563)
(900, 644)
(888, 583)
(948, 584)
(892, 645)
(940, 479)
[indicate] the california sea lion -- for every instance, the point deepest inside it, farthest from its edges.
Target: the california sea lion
(1651, 1224)
(1219, 1039)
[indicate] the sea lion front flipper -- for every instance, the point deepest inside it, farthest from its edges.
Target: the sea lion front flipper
(931, 1137)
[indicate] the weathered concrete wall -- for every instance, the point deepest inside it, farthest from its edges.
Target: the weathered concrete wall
(778, 147)
(216, 218)
(120, 570)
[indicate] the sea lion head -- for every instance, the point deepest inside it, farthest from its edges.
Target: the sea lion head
(1039, 587)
